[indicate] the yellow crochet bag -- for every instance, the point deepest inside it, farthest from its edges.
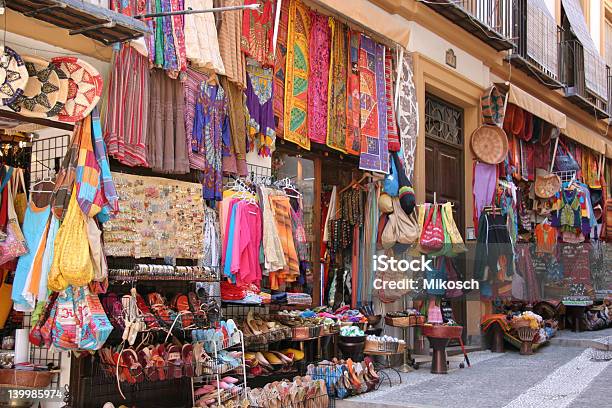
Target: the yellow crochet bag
(71, 258)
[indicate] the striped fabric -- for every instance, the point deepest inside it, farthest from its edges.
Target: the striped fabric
(281, 208)
(64, 181)
(87, 176)
(106, 198)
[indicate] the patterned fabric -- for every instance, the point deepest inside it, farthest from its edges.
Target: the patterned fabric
(394, 141)
(407, 113)
(87, 178)
(126, 123)
(374, 154)
(201, 41)
(230, 33)
(170, 63)
(64, 181)
(336, 102)
(353, 122)
(319, 48)
(296, 76)
(159, 36)
(257, 32)
(210, 139)
(107, 198)
(178, 34)
(279, 69)
(259, 102)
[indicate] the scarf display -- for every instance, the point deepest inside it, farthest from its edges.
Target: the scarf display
(297, 75)
(374, 154)
(336, 94)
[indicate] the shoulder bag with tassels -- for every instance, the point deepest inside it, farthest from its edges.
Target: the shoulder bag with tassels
(432, 236)
(15, 244)
(20, 199)
(71, 258)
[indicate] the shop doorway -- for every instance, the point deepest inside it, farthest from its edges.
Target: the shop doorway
(444, 171)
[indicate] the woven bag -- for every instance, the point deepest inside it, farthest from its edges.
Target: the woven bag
(71, 259)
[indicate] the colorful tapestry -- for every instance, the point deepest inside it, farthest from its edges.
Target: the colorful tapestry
(320, 43)
(393, 136)
(353, 121)
(407, 113)
(257, 30)
(336, 95)
(374, 154)
(296, 79)
(279, 68)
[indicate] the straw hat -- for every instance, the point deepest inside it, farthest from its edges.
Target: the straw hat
(84, 88)
(490, 144)
(46, 91)
(547, 185)
(13, 76)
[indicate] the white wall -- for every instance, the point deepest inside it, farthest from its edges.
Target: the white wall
(433, 46)
(595, 22)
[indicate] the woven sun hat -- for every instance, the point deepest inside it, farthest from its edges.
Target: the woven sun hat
(84, 88)
(46, 91)
(13, 76)
(490, 144)
(547, 185)
(385, 205)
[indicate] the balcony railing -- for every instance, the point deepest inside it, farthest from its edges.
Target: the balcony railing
(586, 77)
(489, 20)
(537, 43)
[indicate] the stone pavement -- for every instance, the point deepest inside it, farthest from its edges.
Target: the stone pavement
(556, 376)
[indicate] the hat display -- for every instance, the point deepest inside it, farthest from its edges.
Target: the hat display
(13, 76)
(46, 91)
(385, 205)
(84, 88)
(490, 144)
(406, 192)
(547, 185)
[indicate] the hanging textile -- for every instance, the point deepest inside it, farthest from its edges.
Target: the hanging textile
(259, 102)
(281, 208)
(170, 60)
(296, 76)
(201, 41)
(210, 139)
(257, 31)
(407, 113)
(127, 109)
(394, 141)
(166, 139)
(280, 67)
(318, 78)
(230, 33)
(353, 121)
(191, 90)
(374, 153)
(336, 102)
(238, 124)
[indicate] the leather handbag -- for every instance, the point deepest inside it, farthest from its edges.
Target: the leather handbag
(15, 244)
(432, 236)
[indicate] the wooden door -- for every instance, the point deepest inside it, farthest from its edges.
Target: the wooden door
(444, 171)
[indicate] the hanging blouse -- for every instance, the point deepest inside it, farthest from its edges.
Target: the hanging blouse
(201, 41)
(259, 106)
(210, 139)
(257, 32)
(318, 79)
(546, 238)
(238, 125)
(246, 243)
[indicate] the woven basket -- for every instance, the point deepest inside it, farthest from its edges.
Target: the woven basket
(517, 324)
(25, 379)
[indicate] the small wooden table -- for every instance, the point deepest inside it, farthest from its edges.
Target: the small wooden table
(574, 309)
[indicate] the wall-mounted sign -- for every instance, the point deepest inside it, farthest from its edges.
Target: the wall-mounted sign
(451, 58)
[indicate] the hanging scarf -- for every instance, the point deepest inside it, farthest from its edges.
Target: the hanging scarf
(318, 79)
(407, 113)
(374, 153)
(296, 76)
(336, 94)
(394, 140)
(280, 68)
(353, 121)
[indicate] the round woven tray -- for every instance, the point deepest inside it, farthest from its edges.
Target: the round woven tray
(25, 379)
